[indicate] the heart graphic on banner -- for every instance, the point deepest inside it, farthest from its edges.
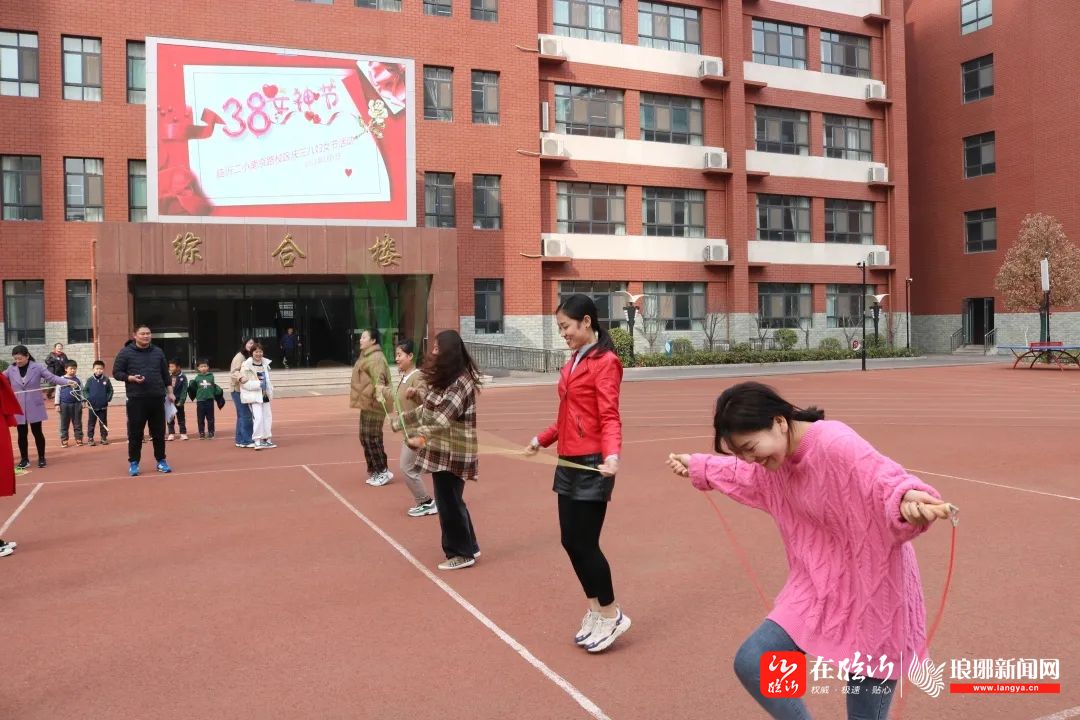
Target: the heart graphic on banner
(270, 90)
(348, 172)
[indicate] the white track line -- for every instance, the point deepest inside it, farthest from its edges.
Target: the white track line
(998, 485)
(7, 523)
(588, 705)
(1071, 712)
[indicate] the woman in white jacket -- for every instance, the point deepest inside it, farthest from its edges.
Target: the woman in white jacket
(257, 390)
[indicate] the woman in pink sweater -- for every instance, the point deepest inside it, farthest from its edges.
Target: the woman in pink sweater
(846, 515)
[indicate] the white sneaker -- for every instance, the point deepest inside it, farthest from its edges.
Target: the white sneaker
(6, 550)
(422, 509)
(382, 478)
(370, 479)
(456, 563)
(607, 630)
(259, 445)
(183, 436)
(588, 624)
(171, 437)
(269, 444)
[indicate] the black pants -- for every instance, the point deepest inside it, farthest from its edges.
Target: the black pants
(98, 415)
(143, 412)
(181, 419)
(458, 536)
(71, 415)
(24, 444)
(204, 412)
(580, 522)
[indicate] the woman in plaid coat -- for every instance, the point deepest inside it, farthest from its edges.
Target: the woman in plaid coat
(443, 432)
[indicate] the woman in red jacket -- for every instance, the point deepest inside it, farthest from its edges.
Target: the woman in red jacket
(589, 432)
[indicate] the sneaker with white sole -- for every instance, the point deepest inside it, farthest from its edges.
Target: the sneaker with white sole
(269, 444)
(607, 631)
(5, 551)
(423, 508)
(457, 563)
(382, 478)
(370, 480)
(8, 544)
(588, 624)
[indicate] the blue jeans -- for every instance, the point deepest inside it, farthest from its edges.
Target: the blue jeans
(244, 422)
(862, 703)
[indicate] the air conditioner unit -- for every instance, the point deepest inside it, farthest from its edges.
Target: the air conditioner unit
(716, 160)
(878, 174)
(554, 248)
(551, 47)
(544, 116)
(875, 91)
(711, 68)
(878, 258)
(715, 253)
(552, 147)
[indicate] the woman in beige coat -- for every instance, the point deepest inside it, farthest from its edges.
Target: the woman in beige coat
(370, 375)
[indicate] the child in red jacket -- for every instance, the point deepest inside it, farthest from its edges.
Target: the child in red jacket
(589, 432)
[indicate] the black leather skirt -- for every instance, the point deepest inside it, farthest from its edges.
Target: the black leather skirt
(586, 485)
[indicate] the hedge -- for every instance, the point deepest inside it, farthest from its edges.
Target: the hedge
(742, 355)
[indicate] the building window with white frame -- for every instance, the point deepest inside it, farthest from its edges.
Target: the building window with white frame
(592, 111)
(844, 54)
(444, 8)
(979, 155)
(780, 44)
(136, 190)
(19, 64)
(610, 299)
(672, 118)
(782, 130)
(844, 304)
(20, 187)
(488, 306)
(673, 212)
(669, 27)
(391, 5)
(84, 189)
(439, 209)
(82, 68)
(485, 97)
(783, 218)
(678, 305)
(487, 202)
(975, 15)
(438, 93)
(849, 221)
(784, 305)
(849, 138)
(978, 75)
(24, 312)
(590, 208)
(80, 324)
(136, 72)
(589, 19)
(980, 230)
(486, 10)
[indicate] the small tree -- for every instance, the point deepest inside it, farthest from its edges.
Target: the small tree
(1019, 279)
(850, 327)
(713, 324)
(650, 326)
(761, 330)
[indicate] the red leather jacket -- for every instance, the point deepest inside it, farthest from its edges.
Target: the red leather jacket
(588, 420)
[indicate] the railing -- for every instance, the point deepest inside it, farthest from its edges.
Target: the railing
(505, 357)
(990, 341)
(956, 340)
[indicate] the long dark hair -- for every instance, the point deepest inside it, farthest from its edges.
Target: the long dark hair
(22, 350)
(452, 361)
(752, 406)
(578, 307)
(243, 347)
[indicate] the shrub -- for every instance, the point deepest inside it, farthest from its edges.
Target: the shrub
(624, 346)
(682, 346)
(787, 338)
(830, 344)
(3, 365)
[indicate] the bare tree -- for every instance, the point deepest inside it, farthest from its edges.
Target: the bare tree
(762, 330)
(1019, 279)
(713, 324)
(650, 328)
(849, 325)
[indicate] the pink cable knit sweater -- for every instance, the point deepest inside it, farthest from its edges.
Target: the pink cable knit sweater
(853, 582)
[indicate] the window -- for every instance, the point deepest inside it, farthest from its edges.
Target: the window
(84, 192)
(673, 212)
(783, 305)
(485, 97)
(79, 320)
(671, 118)
(136, 72)
(394, 5)
(843, 54)
(669, 27)
(975, 15)
(679, 305)
(844, 305)
(484, 10)
(849, 221)
(82, 68)
(979, 155)
(589, 19)
(589, 208)
(487, 202)
(784, 218)
(489, 306)
(978, 78)
(19, 64)
(439, 7)
(609, 298)
(781, 130)
(439, 200)
(137, 190)
(438, 93)
(24, 312)
(779, 44)
(591, 111)
(20, 183)
(981, 230)
(848, 138)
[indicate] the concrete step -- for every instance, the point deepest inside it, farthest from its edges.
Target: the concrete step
(971, 350)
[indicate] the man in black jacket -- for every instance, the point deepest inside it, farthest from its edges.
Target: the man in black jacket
(142, 367)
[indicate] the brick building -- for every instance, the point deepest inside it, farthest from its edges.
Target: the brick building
(992, 112)
(735, 157)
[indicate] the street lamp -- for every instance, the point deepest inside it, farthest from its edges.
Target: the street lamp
(1044, 271)
(907, 304)
(862, 311)
(631, 313)
(876, 309)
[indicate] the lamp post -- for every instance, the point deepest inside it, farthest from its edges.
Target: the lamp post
(862, 312)
(1044, 271)
(631, 313)
(876, 310)
(907, 304)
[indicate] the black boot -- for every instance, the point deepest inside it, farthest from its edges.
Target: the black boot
(41, 462)
(24, 463)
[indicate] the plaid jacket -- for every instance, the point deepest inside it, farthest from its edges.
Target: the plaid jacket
(447, 421)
